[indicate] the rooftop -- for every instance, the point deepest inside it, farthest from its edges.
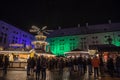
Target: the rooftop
(86, 30)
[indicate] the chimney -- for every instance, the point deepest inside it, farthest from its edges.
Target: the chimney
(59, 27)
(109, 21)
(78, 25)
(87, 24)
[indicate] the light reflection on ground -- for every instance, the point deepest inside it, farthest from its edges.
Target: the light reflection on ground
(51, 75)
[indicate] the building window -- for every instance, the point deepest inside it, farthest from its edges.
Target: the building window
(84, 42)
(105, 29)
(5, 40)
(13, 31)
(31, 38)
(94, 37)
(96, 41)
(6, 35)
(62, 40)
(62, 33)
(13, 41)
(71, 47)
(13, 37)
(52, 48)
(119, 35)
(72, 39)
(83, 38)
(24, 35)
(119, 40)
(61, 43)
(52, 40)
(107, 36)
(1, 33)
(6, 28)
(93, 42)
(3, 27)
(62, 48)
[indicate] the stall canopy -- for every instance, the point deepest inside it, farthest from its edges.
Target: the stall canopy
(105, 47)
(76, 52)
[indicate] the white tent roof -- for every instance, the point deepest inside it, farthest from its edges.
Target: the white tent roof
(14, 52)
(77, 53)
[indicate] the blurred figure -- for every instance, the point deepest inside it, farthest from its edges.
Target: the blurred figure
(1, 61)
(84, 65)
(110, 66)
(32, 65)
(80, 64)
(43, 68)
(75, 64)
(101, 66)
(89, 63)
(95, 64)
(5, 64)
(38, 68)
(28, 66)
(118, 65)
(70, 65)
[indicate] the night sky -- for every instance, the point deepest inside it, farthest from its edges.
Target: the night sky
(53, 13)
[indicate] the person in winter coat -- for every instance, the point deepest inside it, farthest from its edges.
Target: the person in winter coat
(38, 68)
(32, 65)
(110, 66)
(101, 66)
(95, 64)
(28, 66)
(89, 63)
(43, 68)
(80, 65)
(5, 64)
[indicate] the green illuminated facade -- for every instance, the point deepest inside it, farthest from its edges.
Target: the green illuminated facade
(62, 44)
(59, 45)
(65, 40)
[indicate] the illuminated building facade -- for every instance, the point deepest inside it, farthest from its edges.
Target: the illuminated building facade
(65, 40)
(9, 34)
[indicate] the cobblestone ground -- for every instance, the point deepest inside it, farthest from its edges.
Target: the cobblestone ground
(52, 75)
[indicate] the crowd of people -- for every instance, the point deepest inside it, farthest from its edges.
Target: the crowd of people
(91, 64)
(94, 65)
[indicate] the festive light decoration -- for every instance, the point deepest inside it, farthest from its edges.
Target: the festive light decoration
(40, 43)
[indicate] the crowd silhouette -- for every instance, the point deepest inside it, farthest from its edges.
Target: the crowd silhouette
(94, 65)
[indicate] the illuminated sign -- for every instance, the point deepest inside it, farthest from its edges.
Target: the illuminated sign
(16, 45)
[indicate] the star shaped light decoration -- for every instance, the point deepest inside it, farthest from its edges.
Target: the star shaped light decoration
(40, 31)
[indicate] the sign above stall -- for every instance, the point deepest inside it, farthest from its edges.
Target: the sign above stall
(16, 45)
